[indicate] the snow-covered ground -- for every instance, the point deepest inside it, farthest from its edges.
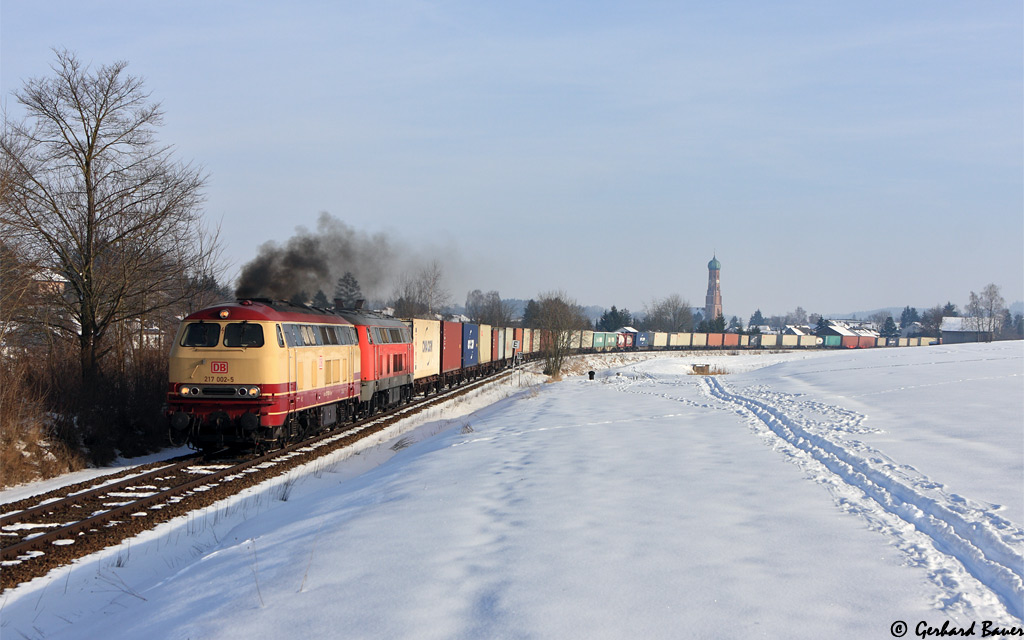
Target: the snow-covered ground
(804, 495)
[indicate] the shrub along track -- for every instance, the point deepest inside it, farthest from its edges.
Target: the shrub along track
(81, 519)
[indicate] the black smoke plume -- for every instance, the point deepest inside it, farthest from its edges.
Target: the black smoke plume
(311, 261)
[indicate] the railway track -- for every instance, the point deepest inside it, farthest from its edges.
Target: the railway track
(42, 533)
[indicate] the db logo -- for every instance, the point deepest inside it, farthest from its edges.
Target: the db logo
(218, 367)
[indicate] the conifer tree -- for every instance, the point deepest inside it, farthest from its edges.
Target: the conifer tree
(614, 319)
(889, 329)
(348, 291)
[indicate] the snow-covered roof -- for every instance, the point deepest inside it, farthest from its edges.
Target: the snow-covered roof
(841, 329)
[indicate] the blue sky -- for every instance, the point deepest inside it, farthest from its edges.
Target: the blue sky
(835, 156)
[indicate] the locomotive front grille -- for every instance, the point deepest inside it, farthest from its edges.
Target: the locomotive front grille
(218, 391)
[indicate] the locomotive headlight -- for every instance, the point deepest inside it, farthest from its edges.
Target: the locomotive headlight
(249, 392)
(188, 391)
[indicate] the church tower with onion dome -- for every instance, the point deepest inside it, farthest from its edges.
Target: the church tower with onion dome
(713, 302)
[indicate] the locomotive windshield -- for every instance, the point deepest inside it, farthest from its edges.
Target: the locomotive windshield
(243, 334)
(201, 334)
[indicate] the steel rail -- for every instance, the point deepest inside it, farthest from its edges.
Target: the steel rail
(15, 517)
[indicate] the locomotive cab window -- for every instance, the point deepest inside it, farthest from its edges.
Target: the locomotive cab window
(201, 334)
(243, 334)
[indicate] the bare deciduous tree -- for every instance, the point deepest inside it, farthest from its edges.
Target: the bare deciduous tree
(488, 308)
(434, 293)
(98, 201)
(16, 268)
(797, 316)
(878, 318)
(985, 311)
(671, 314)
(422, 294)
(560, 316)
(931, 321)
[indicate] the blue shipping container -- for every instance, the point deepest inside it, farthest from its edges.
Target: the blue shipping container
(470, 345)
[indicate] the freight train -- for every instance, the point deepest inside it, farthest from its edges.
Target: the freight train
(258, 373)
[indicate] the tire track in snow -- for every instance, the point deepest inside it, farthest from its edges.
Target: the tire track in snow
(985, 544)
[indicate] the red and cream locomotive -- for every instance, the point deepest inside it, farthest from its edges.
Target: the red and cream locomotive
(258, 373)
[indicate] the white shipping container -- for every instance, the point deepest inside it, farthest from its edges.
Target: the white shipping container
(486, 343)
(426, 345)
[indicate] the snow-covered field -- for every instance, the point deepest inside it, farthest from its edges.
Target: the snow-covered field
(804, 495)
